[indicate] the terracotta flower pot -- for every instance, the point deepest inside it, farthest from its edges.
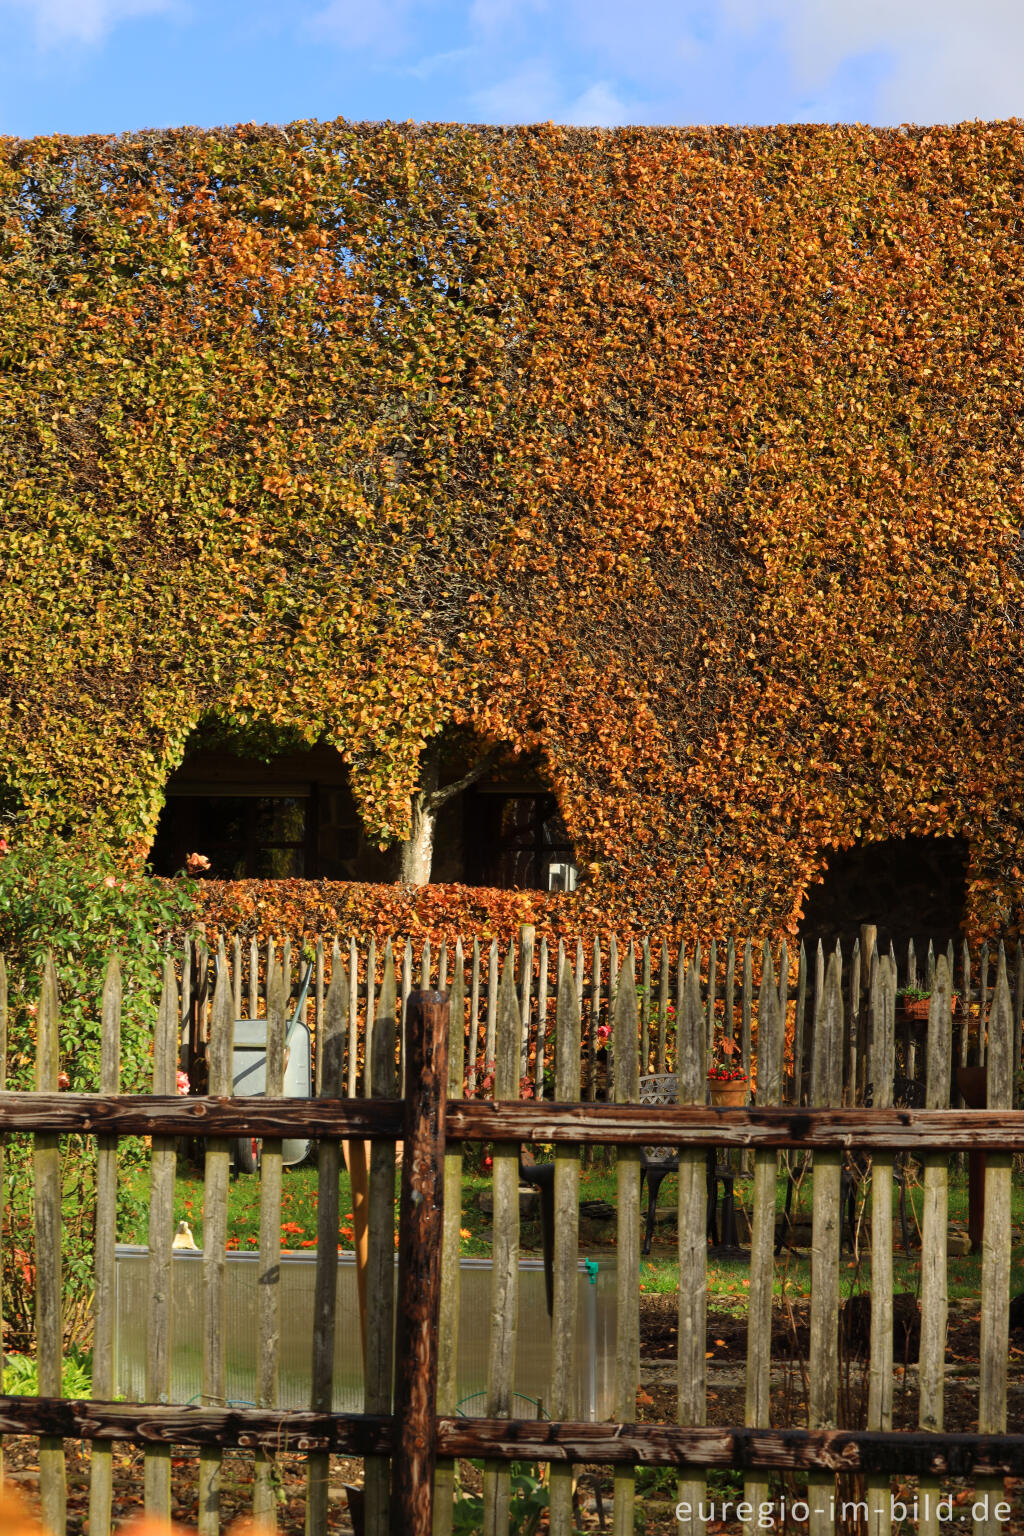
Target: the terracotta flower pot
(726, 1094)
(916, 1007)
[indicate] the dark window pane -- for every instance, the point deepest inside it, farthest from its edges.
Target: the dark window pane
(243, 836)
(279, 864)
(517, 838)
(279, 819)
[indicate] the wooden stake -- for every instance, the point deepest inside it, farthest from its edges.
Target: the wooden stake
(419, 1265)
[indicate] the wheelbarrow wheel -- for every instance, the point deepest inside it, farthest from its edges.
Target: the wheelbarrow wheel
(247, 1154)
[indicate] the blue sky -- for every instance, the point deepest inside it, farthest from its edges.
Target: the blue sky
(79, 66)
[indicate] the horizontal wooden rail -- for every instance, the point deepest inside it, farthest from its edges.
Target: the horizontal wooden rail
(177, 1115)
(907, 1452)
(264, 1429)
(646, 1124)
(673, 1445)
(484, 1120)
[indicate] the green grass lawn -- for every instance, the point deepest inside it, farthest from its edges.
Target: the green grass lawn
(728, 1281)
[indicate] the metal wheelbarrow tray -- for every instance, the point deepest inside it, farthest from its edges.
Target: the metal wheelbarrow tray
(249, 1076)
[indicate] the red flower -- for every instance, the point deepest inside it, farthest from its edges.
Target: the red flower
(720, 1074)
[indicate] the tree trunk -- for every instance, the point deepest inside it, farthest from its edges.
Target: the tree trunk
(418, 848)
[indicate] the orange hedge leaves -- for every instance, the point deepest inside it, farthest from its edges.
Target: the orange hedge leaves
(692, 460)
(440, 913)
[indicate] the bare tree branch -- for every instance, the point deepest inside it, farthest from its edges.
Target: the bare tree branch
(439, 797)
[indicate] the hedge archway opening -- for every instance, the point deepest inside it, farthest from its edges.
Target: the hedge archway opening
(910, 887)
(260, 804)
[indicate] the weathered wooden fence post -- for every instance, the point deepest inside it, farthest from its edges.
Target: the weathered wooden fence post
(419, 1266)
(692, 1070)
(103, 1383)
(626, 1088)
(935, 1223)
(505, 1257)
(157, 1468)
(381, 1083)
(269, 1273)
(49, 1353)
(332, 1050)
(993, 1351)
(216, 1176)
(882, 1007)
(566, 1256)
(823, 1396)
(770, 1030)
(448, 1317)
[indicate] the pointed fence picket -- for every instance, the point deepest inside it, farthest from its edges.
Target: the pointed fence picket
(380, 1266)
(48, 1204)
(626, 1089)
(882, 1006)
(162, 1161)
(565, 1298)
(448, 1309)
(215, 1237)
(269, 1271)
(691, 1072)
(504, 1255)
(934, 1226)
(103, 1383)
(771, 1015)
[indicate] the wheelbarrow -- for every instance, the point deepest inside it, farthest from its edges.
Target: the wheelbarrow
(249, 1076)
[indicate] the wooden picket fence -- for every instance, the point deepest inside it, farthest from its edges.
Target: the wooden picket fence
(436, 1069)
(728, 975)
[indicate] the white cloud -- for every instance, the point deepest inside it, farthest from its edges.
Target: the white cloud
(82, 21)
(921, 60)
(439, 63)
(944, 60)
(378, 26)
(529, 95)
(598, 107)
(494, 15)
(643, 39)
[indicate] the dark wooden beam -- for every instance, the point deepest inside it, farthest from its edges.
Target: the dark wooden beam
(670, 1445)
(419, 1265)
(913, 1453)
(150, 1424)
(202, 1116)
(483, 1120)
(667, 1125)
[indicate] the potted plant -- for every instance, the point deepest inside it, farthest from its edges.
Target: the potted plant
(727, 1081)
(917, 1002)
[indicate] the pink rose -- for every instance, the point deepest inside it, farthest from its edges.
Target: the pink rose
(181, 1082)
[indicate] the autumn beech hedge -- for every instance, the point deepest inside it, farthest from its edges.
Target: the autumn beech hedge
(312, 909)
(689, 460)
